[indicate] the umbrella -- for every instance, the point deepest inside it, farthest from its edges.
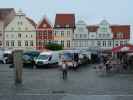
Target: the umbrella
(123, 48)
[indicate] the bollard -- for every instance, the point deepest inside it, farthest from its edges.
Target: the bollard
(18, 65)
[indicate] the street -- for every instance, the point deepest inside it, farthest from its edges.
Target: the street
(82, 84)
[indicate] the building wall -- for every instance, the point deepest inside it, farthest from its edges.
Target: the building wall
(20, 30)
(81, 36)
(43, 37)
(64, 37)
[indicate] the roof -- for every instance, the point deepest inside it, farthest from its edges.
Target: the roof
(31, 21)
(44, 24)
(115, 28)
(65, 21)
(92, 28)
(120, 28)
(4, 12)
(6, 15)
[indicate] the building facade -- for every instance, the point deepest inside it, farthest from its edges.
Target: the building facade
(6, 16)
(106, 36)
(44, 34)
(81, 36)
(64, 29)
(20, 33)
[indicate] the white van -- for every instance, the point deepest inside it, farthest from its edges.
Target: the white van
(47, 58)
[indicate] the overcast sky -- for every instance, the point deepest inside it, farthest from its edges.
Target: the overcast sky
(92, 11)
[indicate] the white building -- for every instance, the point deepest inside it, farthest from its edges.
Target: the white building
(20, 33)
(63, 29)
(81, 36)
(106, 36)
(102, 36)
(6, 16)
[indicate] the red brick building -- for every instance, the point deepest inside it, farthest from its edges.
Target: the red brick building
(44, 34)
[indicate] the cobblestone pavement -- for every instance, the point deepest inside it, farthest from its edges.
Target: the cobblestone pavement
(82, 84)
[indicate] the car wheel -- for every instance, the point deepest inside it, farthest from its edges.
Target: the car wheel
(1, 62)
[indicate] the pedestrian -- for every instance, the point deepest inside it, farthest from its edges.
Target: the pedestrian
(64, 70)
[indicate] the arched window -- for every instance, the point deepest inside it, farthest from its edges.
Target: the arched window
(26, 43)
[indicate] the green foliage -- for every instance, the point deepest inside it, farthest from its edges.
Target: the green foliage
(53, 46)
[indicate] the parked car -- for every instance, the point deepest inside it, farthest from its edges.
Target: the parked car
(47, 58)
(29, 57)
(8, 56)
(70, 58)
(2, 61)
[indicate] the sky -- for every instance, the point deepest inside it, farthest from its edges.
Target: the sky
(91, 11)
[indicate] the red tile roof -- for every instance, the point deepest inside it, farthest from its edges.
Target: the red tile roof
(120, 28)
(64, 21)
(114, 28)
(92, 28)
(44, 24)
(31, 21)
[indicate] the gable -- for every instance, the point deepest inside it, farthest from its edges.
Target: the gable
(44, 24)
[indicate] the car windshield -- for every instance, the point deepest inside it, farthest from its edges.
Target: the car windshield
(43, 57)
(32, 54)
(67, 56)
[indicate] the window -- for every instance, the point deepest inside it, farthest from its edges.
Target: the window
(104, 43)
(62, 43)
(68, 33)
(19, 28)
(62, 33)
(0, 43)
(12, 43)
(98, 43)
(7, 35)
(0, 34)
(19, 35)
(68, 43)
(31, 36)
(26, 43)
(31, 43)
(19, 43)
(44, 42)
(12, 36)
(26, 28)
(76, 36)
(109, 43)
(7, 43)
(85, 36)
(12, 29)
(67, 25)
(104, 29)
(26, 36)
(20, 23)
(116, 43)
(40, 43)
(121, 42)
(80, 35)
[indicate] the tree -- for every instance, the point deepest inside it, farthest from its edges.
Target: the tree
(53, 46)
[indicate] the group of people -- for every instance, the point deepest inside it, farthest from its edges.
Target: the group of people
(108, 63)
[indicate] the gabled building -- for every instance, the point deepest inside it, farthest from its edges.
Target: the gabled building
(81, 36)
(44, 34)
(6, 16)
(64, 29)
(106, 36)
(20, 33)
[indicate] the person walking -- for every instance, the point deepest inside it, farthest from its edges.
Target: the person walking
(64, 70)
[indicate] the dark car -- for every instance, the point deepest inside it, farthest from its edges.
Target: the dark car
(29, 57)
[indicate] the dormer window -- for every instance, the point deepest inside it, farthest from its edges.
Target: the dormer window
(57, 25)
(67, 25)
